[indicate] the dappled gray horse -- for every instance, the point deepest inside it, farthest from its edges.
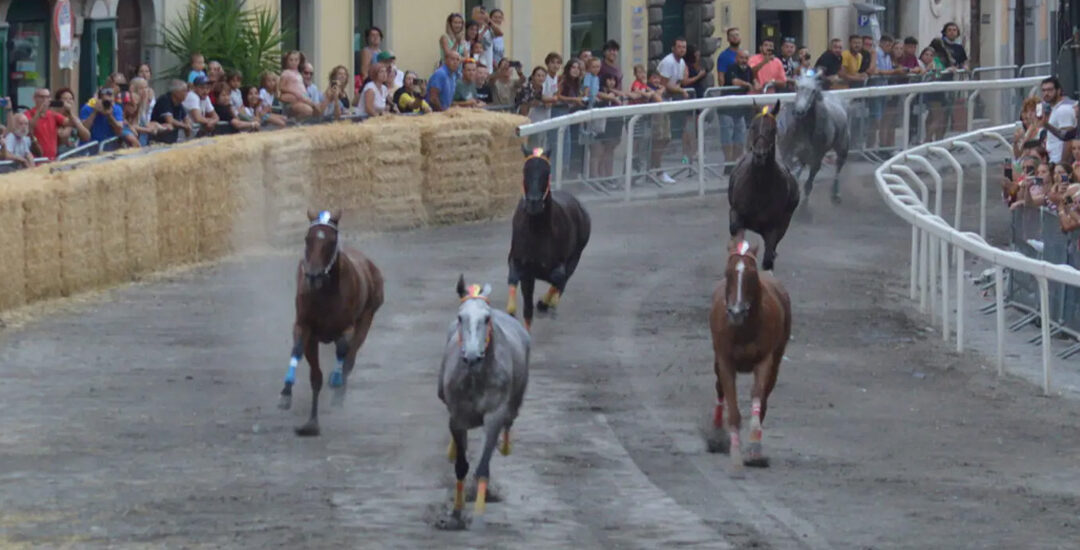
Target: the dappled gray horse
(816, 125)
(485, 368)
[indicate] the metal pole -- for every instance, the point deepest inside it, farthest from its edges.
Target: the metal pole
(959, 181)
(907, 120)
(944, 290)
(982, 189)
(959, 299)
(999, 299)
(630, 155)
(701, 150)
(923, 252)
(971, 109)
(1044, 306)
(914, 259)
(559, 134)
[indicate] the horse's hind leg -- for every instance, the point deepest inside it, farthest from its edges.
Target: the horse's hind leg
(299, 336)
(354, 343)
(841, 158)
(311, 353)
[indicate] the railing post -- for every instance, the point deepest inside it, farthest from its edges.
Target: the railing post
(559, 135)
(971, 109)
(959, 181)
(629, 175)
(701, 150)
(982, 188)
(959, 253)
(944, 290)
(914, 259)
(907, 120)
(1044, 306)
(999, 313)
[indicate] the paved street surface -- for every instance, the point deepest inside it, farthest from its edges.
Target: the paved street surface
(147, 418)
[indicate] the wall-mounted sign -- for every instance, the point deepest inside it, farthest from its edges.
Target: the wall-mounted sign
(62, 23)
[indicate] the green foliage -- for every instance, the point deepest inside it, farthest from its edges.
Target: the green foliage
(241, 38)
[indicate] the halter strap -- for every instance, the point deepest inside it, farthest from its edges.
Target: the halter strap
(472, 292)
(325, 220)
(765, 112)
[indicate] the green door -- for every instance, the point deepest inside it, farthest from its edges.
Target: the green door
(28, 50)
(673, 24)
(97, 58)
(4, 59)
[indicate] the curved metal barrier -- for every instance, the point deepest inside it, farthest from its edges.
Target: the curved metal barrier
(933, 238)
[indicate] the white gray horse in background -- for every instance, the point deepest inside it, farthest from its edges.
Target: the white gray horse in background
(485, 369)
(816, 124)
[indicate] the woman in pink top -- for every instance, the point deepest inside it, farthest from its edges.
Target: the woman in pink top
(294, 98)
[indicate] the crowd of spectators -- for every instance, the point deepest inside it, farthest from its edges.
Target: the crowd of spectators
(1045, 169)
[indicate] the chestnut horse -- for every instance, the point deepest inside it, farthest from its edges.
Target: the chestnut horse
(551, 229)
(763, 194)
(338, 291)
(751, 324)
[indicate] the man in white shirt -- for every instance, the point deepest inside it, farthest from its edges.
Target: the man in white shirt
(18, 141)
(1062, 116)
(198, 107)
(673, 74)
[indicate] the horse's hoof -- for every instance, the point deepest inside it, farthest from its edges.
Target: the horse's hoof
(754, 457)
(717, 442)
(541, 306)
(337, 378)
(285, 403)
(453, 521)
(310, 429)
(504, 448)
(836, 199)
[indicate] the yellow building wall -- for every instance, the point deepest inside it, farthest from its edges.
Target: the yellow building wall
(547, 30)
(633, 42)
(414, 37)
(817, 31)
(740, 18)
(333, 42)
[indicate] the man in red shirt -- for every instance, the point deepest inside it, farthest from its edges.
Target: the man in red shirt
(46, 118)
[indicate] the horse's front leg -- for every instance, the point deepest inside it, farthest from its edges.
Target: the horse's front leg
(458, 445)
(841, 158)
(735, 224)
(764, 380)
(715, 441)
(809, 185)
(493, 424)
(550, 300)
(528, 283)
(311, 353)
(734, 419)
(299, 337)
(772, 239)
(513, 277)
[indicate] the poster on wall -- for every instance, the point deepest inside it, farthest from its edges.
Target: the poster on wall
(62, 24)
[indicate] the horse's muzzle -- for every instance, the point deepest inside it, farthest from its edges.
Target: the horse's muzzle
(737, 314)
(534, 206)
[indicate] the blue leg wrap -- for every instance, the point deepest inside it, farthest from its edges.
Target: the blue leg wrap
(290, 375)
(337, 378)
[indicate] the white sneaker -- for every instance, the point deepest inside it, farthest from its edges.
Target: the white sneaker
(664, 177)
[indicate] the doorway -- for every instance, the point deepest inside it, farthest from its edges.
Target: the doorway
(778, 25)
(29, 49)
(128, 37)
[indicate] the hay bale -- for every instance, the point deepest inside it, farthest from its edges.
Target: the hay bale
(81, 265)
(214, 199)
(396, 173)
(12, 246)
(249, 223)
(342, 160)
(141, 228)
(455, 163)
(109, 182)
(175, 175)
(287, 172)
(41, 229)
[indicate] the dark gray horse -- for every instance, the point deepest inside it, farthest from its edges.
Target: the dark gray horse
(485, 369)
(815, 125)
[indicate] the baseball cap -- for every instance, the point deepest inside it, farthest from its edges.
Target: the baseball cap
(200, 80)
(385, 56)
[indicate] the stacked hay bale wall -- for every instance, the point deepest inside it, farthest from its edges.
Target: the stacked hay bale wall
(82, 224)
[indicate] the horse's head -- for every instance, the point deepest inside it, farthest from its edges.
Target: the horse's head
(536, 185)
(762, 134)
(807, 92)
(320, 246)
(474, 321)
(741, 278)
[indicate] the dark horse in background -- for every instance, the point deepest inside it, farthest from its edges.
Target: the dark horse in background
(338, 291)
(816, 125)
(551, 229)
(763, 194)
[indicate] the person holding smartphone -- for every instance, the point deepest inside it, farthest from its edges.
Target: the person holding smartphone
(46, 119)
(103, 116)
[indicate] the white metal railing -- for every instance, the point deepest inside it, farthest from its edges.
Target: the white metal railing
(706, 105)
(932, 236)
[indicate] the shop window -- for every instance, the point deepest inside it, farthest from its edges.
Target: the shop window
(290, 25)
(588, 26)
(673, 24)
(29, 43)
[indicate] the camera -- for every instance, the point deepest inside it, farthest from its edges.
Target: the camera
(56, 104)
(515, 64)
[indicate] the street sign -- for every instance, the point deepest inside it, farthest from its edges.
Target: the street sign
(864, 20)
(63, 28)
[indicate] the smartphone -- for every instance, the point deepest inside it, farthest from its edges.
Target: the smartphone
(1008, 170)
(515, 64)
(1034, 180)
(1039, 110)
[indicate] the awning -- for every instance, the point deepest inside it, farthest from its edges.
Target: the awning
(801, 4)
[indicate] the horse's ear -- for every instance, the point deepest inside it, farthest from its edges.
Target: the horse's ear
(733, 245)
(547, 153)
(754, 250)
(311, 215)
(335, 215)
(461, 286)
(525, 151)
(486, 291)
(777, 108)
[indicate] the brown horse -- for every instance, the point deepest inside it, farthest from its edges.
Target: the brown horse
(338, 291)
(751, 324)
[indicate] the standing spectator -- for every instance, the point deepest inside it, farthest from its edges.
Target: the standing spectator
(831, 62)
(144, 125)
(129, 102)
(868, 66)
(268, 91)
(934, 67)
(409, 98)
(465, 91)
(675, 79)
(18, 143)
(235, 80)
(553, 61)
(255, 110)
(882, 110)
(802, 57)
(505, 88)
(443, 82)
(373, 38)
(372, 100)
(571, 88)
(394, 77)
(498, 44)
(198, 106)
(1058, 114)
(321, 100)
(910, 60)
(117, 81)
(610, 66)
(294, 99)
(46, 121)
(485, 36)
(453, 40)
(592, 80)
(103, 116)
(531, 100)
(483, 84)
(224, 110)
(660, 132)
(603, 154)
(727, 57)
(695, 71)
(789, 61)
(169, 108)
(337, 95)
(851, 62)
(733, 138)
(950, 36)
(768, 70)
(145, 73)
(198, 67)
(215, 72)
